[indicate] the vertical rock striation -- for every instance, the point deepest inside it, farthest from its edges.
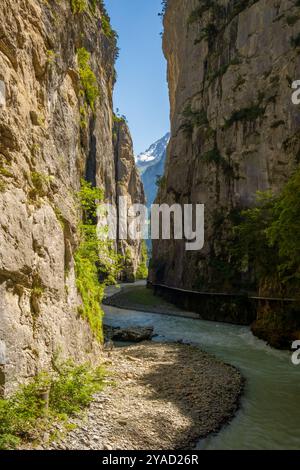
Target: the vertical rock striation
(56, 127)
(129, 187)
(235, 130)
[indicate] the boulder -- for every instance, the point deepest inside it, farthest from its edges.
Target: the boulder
(129, 335)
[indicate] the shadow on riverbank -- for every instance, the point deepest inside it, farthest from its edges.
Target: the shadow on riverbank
(165, 396)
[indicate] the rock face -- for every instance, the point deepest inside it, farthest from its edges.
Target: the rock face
(54, 130)
(129, 186)
(234, 128)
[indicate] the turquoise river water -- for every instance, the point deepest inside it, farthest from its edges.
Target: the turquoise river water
(269, 417)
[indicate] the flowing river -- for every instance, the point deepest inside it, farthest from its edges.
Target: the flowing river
(269, 417)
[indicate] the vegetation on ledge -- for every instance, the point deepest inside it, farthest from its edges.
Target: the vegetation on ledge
(249, 114)
(96, 262)
(87, 77)
(142, 272)
(78, 6)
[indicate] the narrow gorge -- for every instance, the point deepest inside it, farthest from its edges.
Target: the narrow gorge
(118, 342)
(234, 134)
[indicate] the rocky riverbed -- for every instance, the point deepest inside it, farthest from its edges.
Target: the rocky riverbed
(163, 396)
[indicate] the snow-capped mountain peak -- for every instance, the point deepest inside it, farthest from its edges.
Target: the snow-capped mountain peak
(151, 164)
(153, 154)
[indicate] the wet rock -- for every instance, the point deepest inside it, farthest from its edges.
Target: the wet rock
(129, 335)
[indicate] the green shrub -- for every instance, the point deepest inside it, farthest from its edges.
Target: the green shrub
(5, 172)
(117, 119)
(209, 33)
(269, 236)
(193, 119)
(106, 26)
(94, 259)
(284, 231)
(60, 217)
(88, 198)
(20, 413)
(105, 20)
(83, 116)
(249, 114)
(142, 272)
(24, 416)
(40, 182)
(212, 156)
(74, 387)
(87, 77)
(90, 290)
(38, 291)
(78, 6)
(37, 181)
(8, 427)
(252, 247)
(93, 4)
(197, 118)
(51, 56)
(219, 12)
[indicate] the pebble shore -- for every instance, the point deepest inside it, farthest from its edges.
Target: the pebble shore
(163, 397)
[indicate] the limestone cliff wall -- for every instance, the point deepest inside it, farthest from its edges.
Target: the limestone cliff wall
(234, 128)
(129, 186)
(50, 138)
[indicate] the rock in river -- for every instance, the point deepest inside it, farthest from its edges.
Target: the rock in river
(128, 335)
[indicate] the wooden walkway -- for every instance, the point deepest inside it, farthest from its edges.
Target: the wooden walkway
(224, 294)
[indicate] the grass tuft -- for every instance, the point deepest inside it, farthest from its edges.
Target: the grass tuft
(24, 417)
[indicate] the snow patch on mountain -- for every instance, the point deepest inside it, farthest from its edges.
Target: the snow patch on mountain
(153, 154)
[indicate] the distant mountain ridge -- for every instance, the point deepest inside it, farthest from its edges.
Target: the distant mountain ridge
(151, 165)
(153, 154)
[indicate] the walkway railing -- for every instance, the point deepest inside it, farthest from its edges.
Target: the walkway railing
(225, 294)
(238, 308)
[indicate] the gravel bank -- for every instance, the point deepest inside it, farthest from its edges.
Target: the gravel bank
(165, 397)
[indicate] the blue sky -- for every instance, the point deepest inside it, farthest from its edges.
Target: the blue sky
(141, 91)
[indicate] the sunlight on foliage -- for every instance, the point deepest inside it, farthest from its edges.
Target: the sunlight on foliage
(269, 235)
(25, 417)
(96, 262)
(87, 77)
(78, 6)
